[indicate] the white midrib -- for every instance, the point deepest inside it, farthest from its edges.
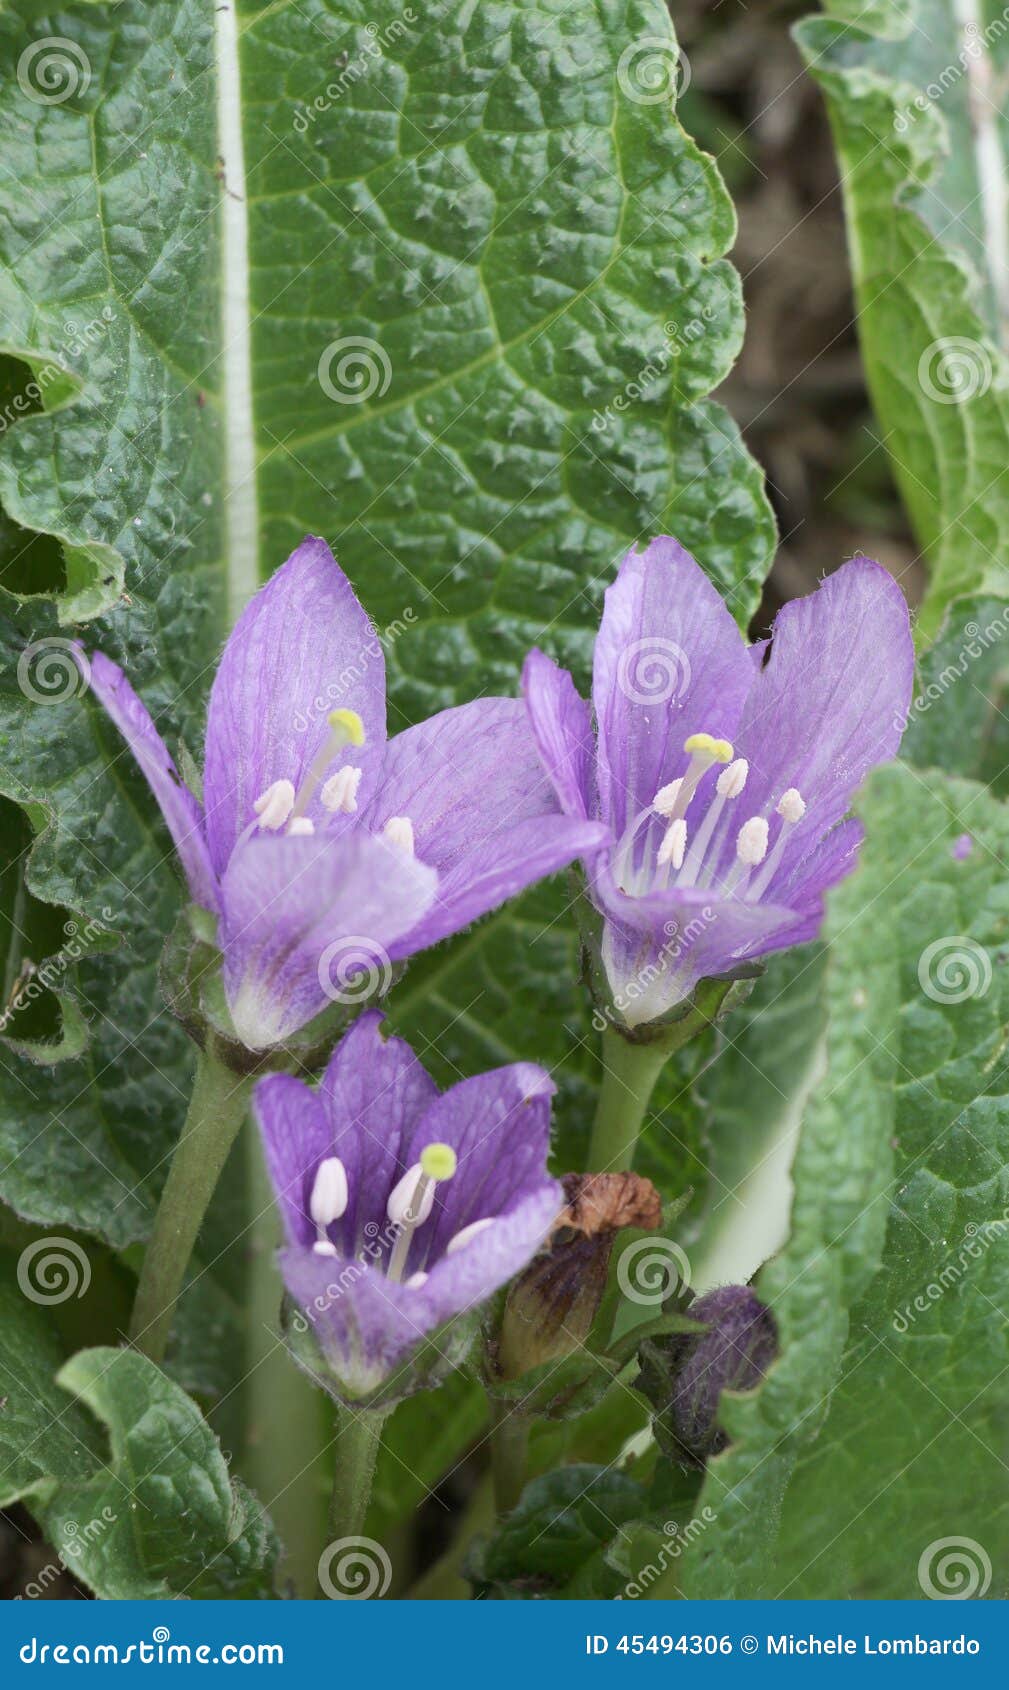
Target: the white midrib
(755, 1222)
(241, 514)
(989, 158)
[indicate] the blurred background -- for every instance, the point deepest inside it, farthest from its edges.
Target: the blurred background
(797, 391)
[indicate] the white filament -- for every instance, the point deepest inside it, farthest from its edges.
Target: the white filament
(460, 1239)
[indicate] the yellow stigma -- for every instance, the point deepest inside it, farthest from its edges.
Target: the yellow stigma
(438, 1161)
(349, 723)
(703, 745)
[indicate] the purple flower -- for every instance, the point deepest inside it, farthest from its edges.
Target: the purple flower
(724, 772)
(327, 851)
(404, 1208)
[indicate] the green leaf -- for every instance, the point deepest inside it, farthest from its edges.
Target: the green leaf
(553, 1543)
(176, 1523)
(959, 719)
(913, 92)
(534, 259)
(43, 1437)
(148, 1512)
(892, 1435)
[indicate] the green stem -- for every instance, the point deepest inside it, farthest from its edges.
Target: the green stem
(358, 1436)
(287, 1426)
(509, 1455)
(629, 1075)
(216, 1111)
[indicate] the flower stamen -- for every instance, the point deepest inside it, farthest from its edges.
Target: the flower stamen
(664, 802)
(345, 728)
(340, 791)
(674, 844)
(751, 849)
(703, 750)
(330, 1194)
(274, 806)
(791, 807)
(670, 802)
(460, 1239)
(412, 1199)
(751, 842)
(728, 786)
(398, 832)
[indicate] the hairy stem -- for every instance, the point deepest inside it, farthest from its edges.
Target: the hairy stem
(358, 1436)
(629, 1075)
(216, 1111)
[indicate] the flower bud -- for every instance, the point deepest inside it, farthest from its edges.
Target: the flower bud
(685, 1375)
(552, 1305)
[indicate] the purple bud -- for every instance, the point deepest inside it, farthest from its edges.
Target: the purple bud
(691, 1371)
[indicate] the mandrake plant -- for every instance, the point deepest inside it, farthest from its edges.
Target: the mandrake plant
(504, 1034)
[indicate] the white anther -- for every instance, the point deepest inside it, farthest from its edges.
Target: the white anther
(301, 824)
(398, 831)
(751, 841)
(402, 1209)
(664, 802)
(329, 1192)
(674, 844)
(791, 806)
(340, 791)
(731, 781)
(416, 1280)
(460, 1239)
(275, 805)
(328, 1201)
